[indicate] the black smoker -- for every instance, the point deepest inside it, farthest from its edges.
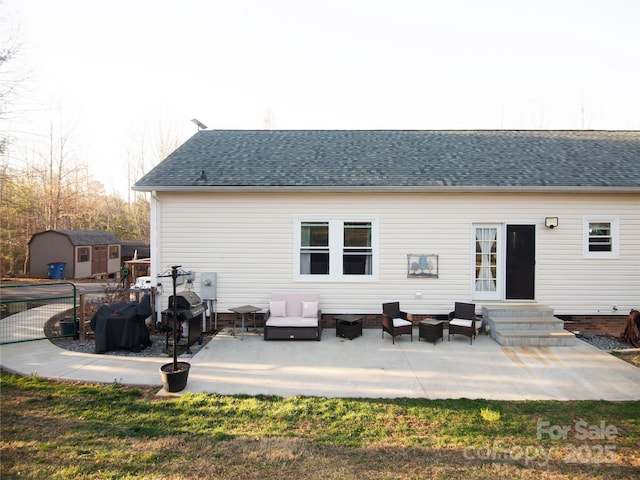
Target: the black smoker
(190, 311)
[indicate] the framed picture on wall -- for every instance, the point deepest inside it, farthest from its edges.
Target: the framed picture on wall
(422, 265)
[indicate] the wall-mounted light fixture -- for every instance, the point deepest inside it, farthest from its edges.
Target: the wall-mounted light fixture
(551, 222)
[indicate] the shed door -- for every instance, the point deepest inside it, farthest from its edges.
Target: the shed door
(520, 262)
(99, 259)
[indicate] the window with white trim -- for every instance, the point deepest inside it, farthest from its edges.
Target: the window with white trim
(487, 262)
(600, 237)
(336, 249)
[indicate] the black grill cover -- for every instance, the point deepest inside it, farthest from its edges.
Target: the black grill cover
(122, 325)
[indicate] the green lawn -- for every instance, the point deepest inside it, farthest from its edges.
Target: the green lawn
(63, 430)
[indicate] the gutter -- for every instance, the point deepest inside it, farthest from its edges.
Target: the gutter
(154, 244)
(389, 189)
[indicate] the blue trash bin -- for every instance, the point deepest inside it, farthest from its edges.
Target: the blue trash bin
(56, 270)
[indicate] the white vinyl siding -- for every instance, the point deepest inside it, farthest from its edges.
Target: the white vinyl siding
(248, 239)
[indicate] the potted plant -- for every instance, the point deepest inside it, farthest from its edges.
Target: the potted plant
(174, 375)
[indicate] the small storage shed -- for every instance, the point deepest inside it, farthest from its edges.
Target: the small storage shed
(85, 253)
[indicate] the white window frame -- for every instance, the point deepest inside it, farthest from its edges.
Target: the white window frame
(498, 294)
(336, 247)
(614, 222)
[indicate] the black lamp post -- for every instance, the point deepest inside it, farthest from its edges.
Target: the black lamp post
(174, 375)
(174, 276)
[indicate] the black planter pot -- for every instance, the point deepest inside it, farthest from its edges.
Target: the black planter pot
(174, 380)
(70, 327)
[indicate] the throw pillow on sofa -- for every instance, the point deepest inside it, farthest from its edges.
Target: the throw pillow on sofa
(309, 309)
(278, 308)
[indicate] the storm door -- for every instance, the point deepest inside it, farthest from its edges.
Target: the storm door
(520, 262)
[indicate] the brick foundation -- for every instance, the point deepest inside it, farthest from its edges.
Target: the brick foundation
(611, 324)
(225, 320)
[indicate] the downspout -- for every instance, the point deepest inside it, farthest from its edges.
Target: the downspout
(156, 253)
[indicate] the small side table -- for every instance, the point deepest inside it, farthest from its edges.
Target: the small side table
(243, 311)
(348, 326)
(430, 330)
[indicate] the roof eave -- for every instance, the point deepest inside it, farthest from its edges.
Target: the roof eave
(385, 189)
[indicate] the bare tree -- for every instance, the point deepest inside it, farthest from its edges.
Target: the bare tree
(57, 170)
(21, 205)
(12, 76)
(147, 149)
(52, 189)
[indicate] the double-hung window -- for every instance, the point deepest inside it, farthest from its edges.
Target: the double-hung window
(600, 237)
(314, 248)
(357, 251)
(336, 248)
(83, 254)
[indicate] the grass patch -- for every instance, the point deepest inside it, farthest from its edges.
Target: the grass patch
(632, 357)
(68, 430)
(489, 415)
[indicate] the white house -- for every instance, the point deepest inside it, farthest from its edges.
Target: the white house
(426, 218)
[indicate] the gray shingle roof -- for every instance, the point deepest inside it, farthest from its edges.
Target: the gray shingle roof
(89, 237)
(358, 159)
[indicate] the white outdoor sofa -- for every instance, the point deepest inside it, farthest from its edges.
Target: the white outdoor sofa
(293, 316)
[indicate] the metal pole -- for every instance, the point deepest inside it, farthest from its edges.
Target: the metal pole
(174, 276)
(81, 316)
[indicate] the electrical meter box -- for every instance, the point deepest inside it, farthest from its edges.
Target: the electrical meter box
(208, 286)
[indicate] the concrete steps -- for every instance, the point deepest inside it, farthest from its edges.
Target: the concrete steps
(535, 325)
(535, 338)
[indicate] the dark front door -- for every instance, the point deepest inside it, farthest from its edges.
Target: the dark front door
(521, 262)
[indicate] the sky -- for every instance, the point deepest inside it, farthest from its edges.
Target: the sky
(120, 70)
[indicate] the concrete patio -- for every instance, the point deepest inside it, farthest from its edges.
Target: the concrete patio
(368, 366)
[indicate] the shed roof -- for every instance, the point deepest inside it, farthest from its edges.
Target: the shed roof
(129, 247)
(85, 237)
(400, 160)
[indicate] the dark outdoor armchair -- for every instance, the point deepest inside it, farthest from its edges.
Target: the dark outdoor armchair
(463, 320)
(396, 322)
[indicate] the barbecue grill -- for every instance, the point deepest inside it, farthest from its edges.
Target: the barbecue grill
(190, 317)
